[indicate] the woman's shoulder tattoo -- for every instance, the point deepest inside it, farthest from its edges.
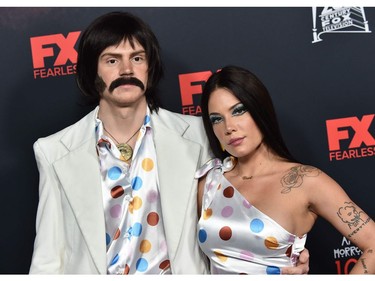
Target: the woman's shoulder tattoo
(295, 175)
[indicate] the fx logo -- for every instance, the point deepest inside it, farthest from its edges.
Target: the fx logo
(191, 84)
(42, 47)
(338, 130)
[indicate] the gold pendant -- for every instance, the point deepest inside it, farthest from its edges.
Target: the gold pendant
(125, 150)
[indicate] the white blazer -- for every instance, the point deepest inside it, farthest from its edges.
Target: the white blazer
(70, 227)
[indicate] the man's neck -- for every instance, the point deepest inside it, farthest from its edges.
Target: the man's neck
(122, 121)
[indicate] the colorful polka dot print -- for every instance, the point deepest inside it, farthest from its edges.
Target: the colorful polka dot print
(236, 236)
(135, 235)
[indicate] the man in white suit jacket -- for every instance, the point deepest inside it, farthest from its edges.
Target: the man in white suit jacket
(118, 67)
(70, 227)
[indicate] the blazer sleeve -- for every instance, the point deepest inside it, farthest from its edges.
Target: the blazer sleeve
(48, 254)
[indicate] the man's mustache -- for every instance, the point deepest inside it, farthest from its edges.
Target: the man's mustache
(126, 81)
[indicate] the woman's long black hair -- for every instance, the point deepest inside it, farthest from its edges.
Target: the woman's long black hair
(252, 93)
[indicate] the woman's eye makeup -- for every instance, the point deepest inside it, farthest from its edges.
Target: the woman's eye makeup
(239, 109)
(215, 118)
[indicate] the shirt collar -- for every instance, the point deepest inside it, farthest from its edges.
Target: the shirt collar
(99, 124)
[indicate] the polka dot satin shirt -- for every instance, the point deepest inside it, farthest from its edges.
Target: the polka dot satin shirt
(134, 228)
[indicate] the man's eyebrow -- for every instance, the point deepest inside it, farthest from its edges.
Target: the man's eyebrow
(118, 55)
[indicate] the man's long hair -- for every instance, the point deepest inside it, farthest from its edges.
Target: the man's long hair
(110, 30)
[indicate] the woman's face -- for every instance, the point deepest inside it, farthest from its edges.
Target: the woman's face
(232, 124)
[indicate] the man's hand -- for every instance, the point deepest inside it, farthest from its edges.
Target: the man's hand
(302, 264)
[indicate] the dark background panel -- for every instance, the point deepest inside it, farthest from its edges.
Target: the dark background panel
(309, 83)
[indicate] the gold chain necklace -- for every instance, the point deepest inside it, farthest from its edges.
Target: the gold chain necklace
(125, 149)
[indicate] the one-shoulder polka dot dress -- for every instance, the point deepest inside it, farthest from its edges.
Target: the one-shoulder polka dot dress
(236, 236)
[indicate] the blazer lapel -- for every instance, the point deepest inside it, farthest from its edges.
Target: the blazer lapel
(177, 158)
(79, 174)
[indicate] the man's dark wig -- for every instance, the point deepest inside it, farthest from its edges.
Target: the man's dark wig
(110, 30)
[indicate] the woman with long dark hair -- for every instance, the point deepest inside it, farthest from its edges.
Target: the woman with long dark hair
(256, 201)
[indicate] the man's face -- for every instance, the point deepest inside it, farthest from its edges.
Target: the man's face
(124, 72)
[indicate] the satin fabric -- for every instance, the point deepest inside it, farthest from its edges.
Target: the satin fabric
(235, 235)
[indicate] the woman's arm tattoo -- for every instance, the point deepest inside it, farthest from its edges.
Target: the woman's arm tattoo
(354, 218)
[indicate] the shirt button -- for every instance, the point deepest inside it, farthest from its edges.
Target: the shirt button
(128, 198)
